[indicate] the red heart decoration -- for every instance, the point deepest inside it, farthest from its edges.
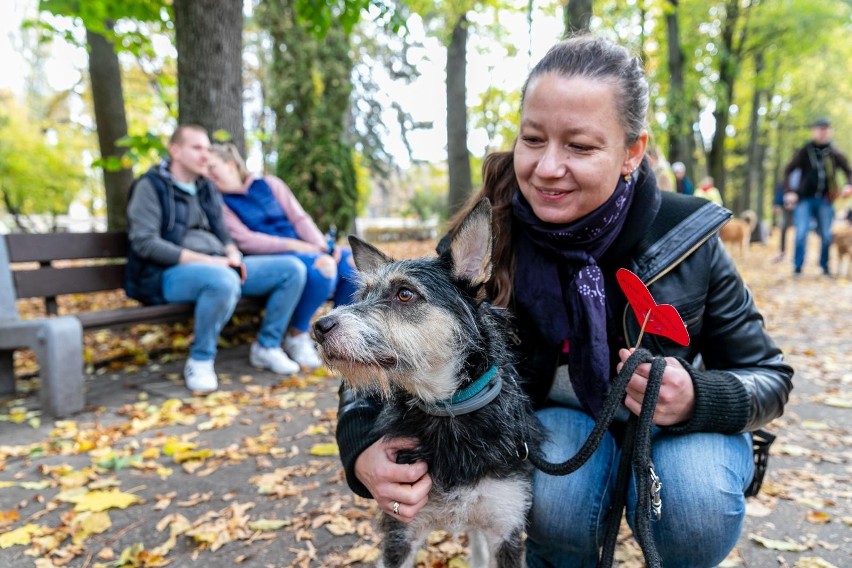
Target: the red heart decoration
(663, 319)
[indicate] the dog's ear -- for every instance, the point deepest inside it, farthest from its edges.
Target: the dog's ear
(367, 257)
(471, 246)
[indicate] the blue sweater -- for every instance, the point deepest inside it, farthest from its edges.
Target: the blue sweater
(260, 211)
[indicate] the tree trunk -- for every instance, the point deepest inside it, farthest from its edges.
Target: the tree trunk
(209, 41)
(578, 14)
(727, 75)
(681, 136)
(108, 99)
(754, 165)
(458, 157)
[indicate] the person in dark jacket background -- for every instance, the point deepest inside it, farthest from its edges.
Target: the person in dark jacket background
(818, 161)
(180, 251)
(573, 202)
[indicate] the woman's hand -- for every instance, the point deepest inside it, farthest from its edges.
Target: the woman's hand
(390, 482)
(676, 401)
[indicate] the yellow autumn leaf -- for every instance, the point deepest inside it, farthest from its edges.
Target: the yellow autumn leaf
(35, 485)
(340, 526)
(269, 524)
(838, 402)
(88, 523)
(103, 500)
(317, 430)
(150, 454)
(783, 545)
(20, 536)
(458, 562)
(365, 553)
(173, 445)
(181, 457)
(329, 449)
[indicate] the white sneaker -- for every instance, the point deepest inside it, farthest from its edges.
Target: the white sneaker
(200, 376)
(272, 358)
(301, 349)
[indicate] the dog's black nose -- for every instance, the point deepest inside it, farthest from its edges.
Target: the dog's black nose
(322, 326)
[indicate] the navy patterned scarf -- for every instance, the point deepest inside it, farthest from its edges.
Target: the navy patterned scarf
(559, 284)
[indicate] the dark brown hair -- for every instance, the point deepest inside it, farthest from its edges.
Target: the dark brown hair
(579, 56)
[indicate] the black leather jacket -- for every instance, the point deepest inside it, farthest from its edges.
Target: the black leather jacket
(670, 241)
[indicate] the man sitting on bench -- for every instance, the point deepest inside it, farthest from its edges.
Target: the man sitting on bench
(180, 251)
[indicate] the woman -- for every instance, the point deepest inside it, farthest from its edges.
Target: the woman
(573, 202)
(264, 217)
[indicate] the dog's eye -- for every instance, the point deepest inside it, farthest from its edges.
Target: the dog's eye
(404, 295)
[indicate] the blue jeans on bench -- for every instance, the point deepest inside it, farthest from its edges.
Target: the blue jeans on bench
(338, 284)
(216, 290)
(704, 476)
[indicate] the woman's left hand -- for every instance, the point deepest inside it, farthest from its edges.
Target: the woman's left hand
(676, 401)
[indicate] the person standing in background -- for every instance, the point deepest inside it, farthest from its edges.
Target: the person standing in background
(814, 196)
(707, 189)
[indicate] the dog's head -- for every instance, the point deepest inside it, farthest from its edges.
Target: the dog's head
(419, 324)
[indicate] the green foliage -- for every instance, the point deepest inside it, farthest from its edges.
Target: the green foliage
(39, 175)
(309, 89)
(320, 17)
(427, 203)
(93, 14)
(141, 149)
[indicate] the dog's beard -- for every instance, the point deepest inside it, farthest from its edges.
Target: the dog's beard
(375, 352)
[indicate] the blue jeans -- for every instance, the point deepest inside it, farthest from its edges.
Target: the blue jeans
(812, 208)
(216, 290)
(703, 477)
(321, 285)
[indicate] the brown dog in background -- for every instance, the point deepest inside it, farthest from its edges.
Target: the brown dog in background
(842, 239)
(737, 232)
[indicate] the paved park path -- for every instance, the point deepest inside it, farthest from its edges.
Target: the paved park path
(149, 476)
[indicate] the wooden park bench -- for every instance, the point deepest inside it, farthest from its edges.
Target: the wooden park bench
(97, 264)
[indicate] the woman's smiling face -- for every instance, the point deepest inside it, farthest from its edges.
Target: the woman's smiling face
(571, 148)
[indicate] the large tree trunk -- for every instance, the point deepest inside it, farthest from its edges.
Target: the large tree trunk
(458, 157)
(578, 14)
(209, 41)
(681, 136)
(108, 99)
(728, 62)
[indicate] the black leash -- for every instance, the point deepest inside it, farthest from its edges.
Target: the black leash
(635, 454)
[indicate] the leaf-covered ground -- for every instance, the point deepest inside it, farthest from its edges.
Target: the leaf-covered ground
(249, 476)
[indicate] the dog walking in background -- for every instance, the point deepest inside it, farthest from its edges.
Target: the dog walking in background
(736, 233)
(425, 338)
(842, 240)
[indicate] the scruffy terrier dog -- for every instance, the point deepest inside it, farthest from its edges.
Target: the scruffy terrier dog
(424, 337)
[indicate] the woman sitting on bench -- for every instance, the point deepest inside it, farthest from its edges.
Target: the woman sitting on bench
(264, 217)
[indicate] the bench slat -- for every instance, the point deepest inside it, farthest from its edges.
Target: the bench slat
(153, 314)
(25, 247)
(132, 316)
(51, 282)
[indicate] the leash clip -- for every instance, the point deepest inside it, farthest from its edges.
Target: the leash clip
(656, 487)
